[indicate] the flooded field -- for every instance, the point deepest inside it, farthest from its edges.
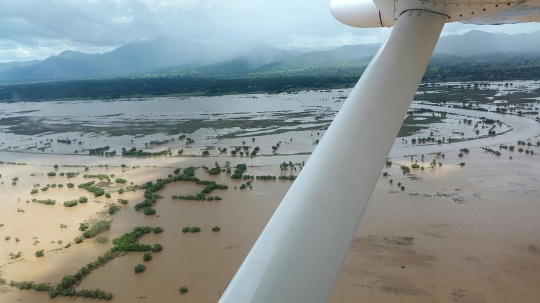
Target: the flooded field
(462, 227)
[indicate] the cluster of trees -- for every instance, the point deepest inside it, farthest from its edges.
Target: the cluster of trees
(98, 151)
(46, 202)
(267, 177)
(141, 153)
(93, 189)
(66, 141)
(194, 229)
(159, 142)
(216, 170)
(96, 229)
(97, 176)
(239, 171)
(291, 177)
(71, 203)
(68, 174)
(495, 152)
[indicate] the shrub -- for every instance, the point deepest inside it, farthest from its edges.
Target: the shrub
(149, 211)
(97, 228)
(33, 191)
(216, 228)
(70, 185)
(183, 290)
(120, 191)
(62, 225)
(108, 195)
(46, 202)
(79, 239)
(140, 268)
(60, 185)
(71, 203)
(158, 230)
(39, 253)
(415, 165)
(186, 229)
(123, 201)
(83, 199)
(147, 256)
(83, 226)
(157, 248)
(121, 181)
(113, 209)
(51, 174)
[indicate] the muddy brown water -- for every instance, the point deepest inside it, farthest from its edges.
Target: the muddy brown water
(474, 228)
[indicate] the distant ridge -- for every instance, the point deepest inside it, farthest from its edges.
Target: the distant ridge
(173, 56)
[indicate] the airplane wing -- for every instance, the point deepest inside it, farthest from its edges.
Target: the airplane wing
(301, 250)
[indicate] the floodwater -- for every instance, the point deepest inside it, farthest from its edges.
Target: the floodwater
(475, 230)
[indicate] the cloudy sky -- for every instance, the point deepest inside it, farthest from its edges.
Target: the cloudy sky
(36, 29)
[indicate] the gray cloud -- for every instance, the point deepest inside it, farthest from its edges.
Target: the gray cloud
(32, 29)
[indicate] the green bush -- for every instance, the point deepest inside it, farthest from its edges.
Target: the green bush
(70, 185)
(415, 165)
(120, 191)
(149, 211)
(123, 201)
(108, 195)
(83, 226)
(79, 239)
(157, 248)
(46, 202)
(140, 268)
(216, 228)
(97, 228)
(51, 174)
(71, 203)
(33, 191)
(113, 209)
(194, 229)
(60, 185)
(121, 181)
(39, 253)
(83, 199)
(183, 290)
(158, 230)
(147, 256)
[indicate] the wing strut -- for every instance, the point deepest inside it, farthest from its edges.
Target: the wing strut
(301, 250)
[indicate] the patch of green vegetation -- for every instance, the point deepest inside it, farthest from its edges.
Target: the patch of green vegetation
(71, 203)
(45, 202)
(194, 229)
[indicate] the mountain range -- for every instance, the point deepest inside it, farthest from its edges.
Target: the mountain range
(180, 57)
